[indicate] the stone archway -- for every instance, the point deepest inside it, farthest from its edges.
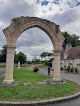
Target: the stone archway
(18, 26)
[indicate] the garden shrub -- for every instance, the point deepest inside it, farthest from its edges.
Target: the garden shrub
(76, 70)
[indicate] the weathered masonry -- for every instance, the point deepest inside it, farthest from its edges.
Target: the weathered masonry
(18, 26)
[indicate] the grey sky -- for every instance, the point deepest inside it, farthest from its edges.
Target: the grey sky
(32, 42)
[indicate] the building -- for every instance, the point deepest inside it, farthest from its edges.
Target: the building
(70, 56)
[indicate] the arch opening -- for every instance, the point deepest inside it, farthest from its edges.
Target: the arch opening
(43, 28)
(34, 40)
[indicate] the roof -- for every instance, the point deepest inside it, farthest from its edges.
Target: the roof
(73, 53)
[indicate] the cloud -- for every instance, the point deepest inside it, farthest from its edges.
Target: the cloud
(35, 50)
(33, 42)
(67, 17)
(32, 37)
(53, 7)
(14, 8)
(66, 13)
(11, 9)
(73, 28)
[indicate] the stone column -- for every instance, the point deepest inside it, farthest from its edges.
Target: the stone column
(9, 65)
(18, 64)
(57, 76)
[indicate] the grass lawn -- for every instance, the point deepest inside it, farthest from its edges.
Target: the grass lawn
(28, 65)
(3, 65)
(24, 65)
(34, 90)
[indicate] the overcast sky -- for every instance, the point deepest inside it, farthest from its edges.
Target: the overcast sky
(34, 41)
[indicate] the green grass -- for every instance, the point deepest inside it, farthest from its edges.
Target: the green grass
(24, 65)
(2, 65)
(35, 90)
(25, 75)
(28, 65)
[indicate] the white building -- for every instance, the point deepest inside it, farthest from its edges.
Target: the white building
(70, 56)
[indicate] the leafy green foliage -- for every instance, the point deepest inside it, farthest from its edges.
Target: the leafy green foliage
(20, 57)
(3, 65)
(3, 54)
(48, 63)
(46, 54)
(62, 68)
(73, 39)
(76, 70)
(35, 60)
(71, 69)
(29, 62)
(43, 55)
(0, 57)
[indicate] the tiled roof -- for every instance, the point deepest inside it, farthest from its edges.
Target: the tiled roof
(74, 52)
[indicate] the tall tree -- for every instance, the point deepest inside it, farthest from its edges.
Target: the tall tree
(50, 55)
(44, 55)
(3, 54)
(20, 57)
(0, 57)
(35, 60)
(73, 39)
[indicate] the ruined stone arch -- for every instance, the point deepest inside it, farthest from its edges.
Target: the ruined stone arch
(18, 26)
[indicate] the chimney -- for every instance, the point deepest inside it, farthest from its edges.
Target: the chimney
(68, 47)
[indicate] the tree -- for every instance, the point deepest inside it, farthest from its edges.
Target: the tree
(73, 39)
(44, 55)
(20, 57)
(0, 57)
(35, 60)
(3, 54)
(50, 55)
(67, 39)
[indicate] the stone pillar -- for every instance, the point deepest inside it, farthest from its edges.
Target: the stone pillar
(9, 65)
(57, 76)
(18, 64)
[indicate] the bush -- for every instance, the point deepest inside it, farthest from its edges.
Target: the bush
(76, 70)
(2, 65)
(65, 68)
(29, 62)
(48, 63)
(71, 69)
(68, 68)
(62, 68)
